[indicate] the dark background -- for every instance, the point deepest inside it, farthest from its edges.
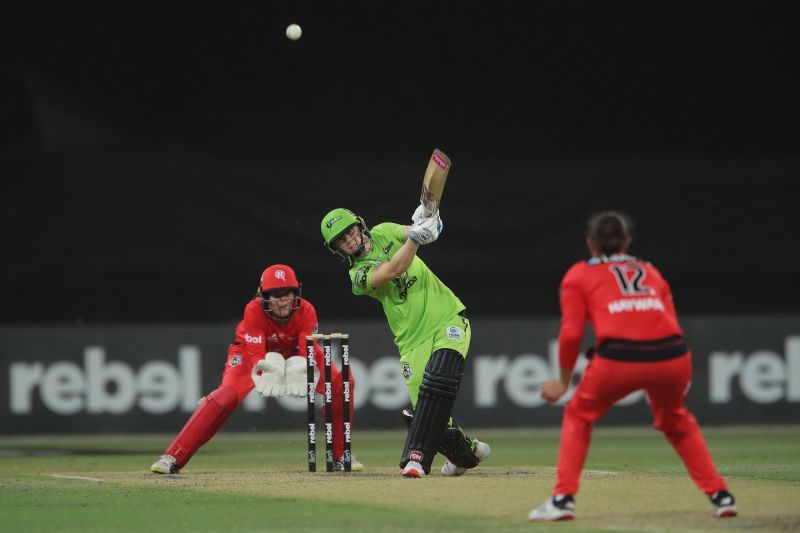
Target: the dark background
(155, 158)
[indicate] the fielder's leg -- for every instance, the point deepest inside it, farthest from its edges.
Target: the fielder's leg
(670, 416)
(210, 414)
(603, 383)
(437, 394)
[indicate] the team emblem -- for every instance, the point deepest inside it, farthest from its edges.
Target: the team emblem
(407, 373)
(280, 274)
(236, 360)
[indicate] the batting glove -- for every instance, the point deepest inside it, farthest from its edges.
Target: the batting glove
(419, 214)
(427, 229)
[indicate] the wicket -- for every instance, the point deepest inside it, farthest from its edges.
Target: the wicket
(344, 344)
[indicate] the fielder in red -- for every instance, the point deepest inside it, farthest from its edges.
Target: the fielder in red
(268, 355)
(639, 345)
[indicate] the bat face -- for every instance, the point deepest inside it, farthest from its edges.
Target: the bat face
(433, 182)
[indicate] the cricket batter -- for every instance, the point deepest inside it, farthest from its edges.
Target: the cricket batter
(639, 345)
(268, 355)
(430, 329)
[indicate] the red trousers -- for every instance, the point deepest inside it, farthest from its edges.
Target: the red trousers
(216, 408)
(666, 383)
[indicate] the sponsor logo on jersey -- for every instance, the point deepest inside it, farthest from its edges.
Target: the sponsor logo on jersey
(360, 279)
(454, 332)
(635, 304)
(253, 339)
(388, 248)
(407, 373)
(236, 360)
(403, 284)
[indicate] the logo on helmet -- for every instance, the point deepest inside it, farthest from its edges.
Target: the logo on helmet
(280, 274)
(333, 221)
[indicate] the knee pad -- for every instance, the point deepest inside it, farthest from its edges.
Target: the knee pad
(225, 398)
(443, 374)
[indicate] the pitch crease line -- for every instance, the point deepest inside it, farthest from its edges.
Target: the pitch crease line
(76, 477)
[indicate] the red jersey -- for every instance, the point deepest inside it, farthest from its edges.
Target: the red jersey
(259, 334)
(621, 296)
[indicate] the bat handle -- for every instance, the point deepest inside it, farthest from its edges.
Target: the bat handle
(426, 209)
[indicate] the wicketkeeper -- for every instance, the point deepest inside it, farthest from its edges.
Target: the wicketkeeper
(431, 331)
(268, 355)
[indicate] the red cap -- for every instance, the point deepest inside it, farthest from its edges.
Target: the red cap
(279, 277)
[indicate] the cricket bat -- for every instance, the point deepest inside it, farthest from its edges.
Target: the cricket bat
(433, 182)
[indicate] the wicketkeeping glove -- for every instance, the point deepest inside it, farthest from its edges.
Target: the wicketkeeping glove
(296, 376)
(427, 229)
(271, 381)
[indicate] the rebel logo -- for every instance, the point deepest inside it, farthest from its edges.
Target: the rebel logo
(346, 391)
(253, 339)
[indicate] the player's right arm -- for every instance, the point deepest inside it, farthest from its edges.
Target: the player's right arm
(570, 335)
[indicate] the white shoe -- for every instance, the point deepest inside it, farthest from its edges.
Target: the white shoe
(481, 452)
(561, 507)
(413, 469)
(165, 465)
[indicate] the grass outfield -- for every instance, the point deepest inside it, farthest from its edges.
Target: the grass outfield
(246, 482)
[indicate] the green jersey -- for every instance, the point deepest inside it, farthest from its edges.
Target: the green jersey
(415, 303)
